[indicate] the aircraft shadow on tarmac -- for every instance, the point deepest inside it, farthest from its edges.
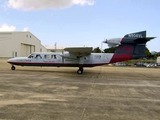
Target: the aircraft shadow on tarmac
(59, 71)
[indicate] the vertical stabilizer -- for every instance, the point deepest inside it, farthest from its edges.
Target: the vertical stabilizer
(132, 46)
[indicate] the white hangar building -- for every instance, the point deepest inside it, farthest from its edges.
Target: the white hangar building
(158, 60)
(19, 44)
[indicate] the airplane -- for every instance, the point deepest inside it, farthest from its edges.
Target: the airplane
(131, 46)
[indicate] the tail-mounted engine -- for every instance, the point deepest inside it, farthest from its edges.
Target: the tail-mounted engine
(132, 38)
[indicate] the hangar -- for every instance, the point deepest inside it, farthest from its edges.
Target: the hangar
(158, 60)
(19, 44)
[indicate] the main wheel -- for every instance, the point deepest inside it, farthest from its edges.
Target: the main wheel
(13, 68)
(79, 71)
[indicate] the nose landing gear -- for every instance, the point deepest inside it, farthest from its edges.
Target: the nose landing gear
(13, 67)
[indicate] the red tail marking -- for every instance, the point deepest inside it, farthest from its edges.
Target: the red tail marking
(120, 57)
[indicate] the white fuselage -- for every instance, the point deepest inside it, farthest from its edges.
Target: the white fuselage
(59, 59)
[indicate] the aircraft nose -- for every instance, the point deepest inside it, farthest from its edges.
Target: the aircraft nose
(10, 60)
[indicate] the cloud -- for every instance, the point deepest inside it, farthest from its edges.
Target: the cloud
(46, 4)
(25, 29)
(5, 27)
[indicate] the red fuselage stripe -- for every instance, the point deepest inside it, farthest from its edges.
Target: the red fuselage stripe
(54, 64)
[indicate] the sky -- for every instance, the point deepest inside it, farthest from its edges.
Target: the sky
(80, 23)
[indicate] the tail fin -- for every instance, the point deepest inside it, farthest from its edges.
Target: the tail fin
(135, 44)
(135, 50)
(131, 46)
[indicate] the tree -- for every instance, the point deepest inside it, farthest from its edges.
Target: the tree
(148, 54)
(96, 50)
(110, 50)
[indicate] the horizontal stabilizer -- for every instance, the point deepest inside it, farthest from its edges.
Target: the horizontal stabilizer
(141, 34)
(143, 40)
(136, 38)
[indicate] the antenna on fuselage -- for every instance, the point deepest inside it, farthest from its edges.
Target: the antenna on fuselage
(102, 45)
(55, 45)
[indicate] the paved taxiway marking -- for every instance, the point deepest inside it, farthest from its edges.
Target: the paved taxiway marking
(86, 104)
(92, 87)
(65, 105)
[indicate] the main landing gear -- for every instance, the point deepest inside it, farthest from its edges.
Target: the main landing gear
(80, 70)
(13, 67)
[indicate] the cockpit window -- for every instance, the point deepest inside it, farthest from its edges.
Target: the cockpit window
(31, 56)
(37, 56)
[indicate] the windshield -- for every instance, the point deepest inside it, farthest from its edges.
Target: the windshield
(31, 56)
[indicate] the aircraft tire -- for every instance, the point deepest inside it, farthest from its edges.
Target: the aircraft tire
(79, 71)
(13, 68)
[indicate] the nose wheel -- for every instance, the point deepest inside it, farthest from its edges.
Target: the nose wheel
(80, 71)
(13, 67)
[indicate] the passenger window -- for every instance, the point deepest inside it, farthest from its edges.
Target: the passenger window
(47, 56)
(85, 58)
(38, 56)
(53, 57)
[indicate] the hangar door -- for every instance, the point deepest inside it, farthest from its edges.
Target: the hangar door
(27, 49)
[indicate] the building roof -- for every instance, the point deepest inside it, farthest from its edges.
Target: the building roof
(12, 32)
(54, 47)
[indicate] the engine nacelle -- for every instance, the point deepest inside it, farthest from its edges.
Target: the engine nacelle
(132, 38)
(113, 42)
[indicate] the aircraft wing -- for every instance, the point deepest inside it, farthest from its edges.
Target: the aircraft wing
(79, 51)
